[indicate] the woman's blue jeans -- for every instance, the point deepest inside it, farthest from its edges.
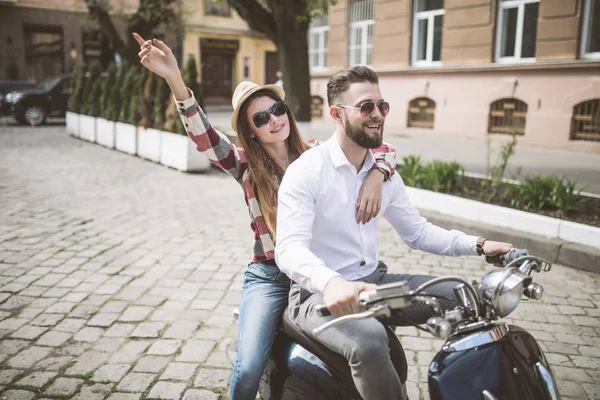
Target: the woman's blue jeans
(264, 297)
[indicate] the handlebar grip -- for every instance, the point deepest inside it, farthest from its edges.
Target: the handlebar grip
(493, 259)
(323, 311)
(506, 258)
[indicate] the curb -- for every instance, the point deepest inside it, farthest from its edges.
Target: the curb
(558, 241)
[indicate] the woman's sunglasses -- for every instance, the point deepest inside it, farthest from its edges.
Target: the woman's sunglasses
(367, 108)
(261, 118)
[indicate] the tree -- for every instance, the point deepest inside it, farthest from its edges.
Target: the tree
(149, 15)
(285, 23)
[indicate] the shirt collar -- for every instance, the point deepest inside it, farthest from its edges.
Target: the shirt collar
(338, 158)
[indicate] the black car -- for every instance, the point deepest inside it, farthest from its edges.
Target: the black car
(10, 85)
(33, 106)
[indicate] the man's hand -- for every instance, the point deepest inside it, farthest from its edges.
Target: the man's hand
(341, 296)
(491, 248)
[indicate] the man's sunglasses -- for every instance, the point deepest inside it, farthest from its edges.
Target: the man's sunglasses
(367, 108)
(262, 118)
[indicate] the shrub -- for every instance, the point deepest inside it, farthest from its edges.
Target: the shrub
(107, 85)
(163, 96)
(78, 82)
(442, 176)
(173, 122)
(147, 98)
(127, 93)
(190, 78)
(564, 196)
(137, 96)
(411, 170)
(437, 176)
(93, 84)
(115, 100)
(536, 193)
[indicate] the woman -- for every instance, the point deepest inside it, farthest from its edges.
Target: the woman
(270, 141)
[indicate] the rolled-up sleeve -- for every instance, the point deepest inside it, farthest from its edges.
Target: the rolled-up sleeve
(420, 234)
(295, 216)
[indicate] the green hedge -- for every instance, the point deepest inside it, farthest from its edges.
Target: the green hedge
(534, 193)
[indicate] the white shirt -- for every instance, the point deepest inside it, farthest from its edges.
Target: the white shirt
(318, 237)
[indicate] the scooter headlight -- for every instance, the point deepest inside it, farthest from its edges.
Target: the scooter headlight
(503, 289)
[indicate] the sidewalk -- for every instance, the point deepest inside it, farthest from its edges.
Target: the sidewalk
(118, 277)
(471, 153)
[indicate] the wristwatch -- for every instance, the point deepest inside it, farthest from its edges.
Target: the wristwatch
(479, 246)
(386, 173)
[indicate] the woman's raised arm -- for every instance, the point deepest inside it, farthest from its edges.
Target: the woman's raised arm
(158, 58)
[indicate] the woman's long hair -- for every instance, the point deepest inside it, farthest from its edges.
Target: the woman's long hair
(265, 174)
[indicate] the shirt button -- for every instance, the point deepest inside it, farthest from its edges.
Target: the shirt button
(363, 263)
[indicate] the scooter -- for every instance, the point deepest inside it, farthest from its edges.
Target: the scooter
(482, 358)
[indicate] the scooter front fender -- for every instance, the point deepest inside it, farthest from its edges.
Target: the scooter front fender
(510, 368)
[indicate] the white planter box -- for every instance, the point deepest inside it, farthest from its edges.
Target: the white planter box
(179, 152)
(72, 120)
(505, 217)
(148, 143)
(126, 137)
(87, 128)
(105, 132)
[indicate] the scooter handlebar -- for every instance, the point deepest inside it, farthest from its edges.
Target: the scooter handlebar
(504, 259)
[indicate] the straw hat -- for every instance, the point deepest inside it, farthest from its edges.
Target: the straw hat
(243, 91)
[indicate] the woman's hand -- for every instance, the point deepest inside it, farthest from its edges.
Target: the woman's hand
(369, 198)
(158, 58)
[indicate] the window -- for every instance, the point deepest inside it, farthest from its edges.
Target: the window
(427, 32)
(361, 32)
(517, 30)
(507, 116)
(421, 113)
(590, 40)
(585, 123)
(316, 106)
(219, 8)
(318, 34)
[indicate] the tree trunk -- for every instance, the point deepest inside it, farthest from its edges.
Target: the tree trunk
(292, 45)
(293, 58)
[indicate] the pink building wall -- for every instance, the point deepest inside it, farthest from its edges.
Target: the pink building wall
(463, 100)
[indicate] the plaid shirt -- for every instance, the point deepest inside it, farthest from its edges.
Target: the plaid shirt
(231, 159)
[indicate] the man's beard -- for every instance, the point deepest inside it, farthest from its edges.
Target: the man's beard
(358, 135)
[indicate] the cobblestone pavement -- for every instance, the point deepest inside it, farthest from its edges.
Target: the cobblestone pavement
(118, 277)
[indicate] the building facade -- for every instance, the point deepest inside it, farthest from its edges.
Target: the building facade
(473, 67)
(44, 38)
(226, 49)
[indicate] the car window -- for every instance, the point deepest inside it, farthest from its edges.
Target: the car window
(48, 84)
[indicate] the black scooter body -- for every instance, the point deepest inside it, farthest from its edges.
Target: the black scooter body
(512, 368)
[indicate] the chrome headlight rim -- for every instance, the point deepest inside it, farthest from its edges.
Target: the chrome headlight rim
(509, 292)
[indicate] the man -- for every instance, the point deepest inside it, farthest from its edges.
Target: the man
(332, 258)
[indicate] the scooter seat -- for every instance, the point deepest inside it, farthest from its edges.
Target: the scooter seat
(336, 362)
